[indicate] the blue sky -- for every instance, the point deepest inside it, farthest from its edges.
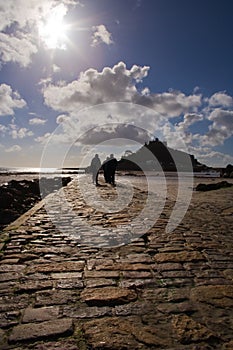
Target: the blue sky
(66, 64)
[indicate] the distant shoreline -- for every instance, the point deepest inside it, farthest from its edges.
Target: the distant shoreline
(70, 171)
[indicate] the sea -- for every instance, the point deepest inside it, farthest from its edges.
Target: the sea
(8, 174)
(29, 173)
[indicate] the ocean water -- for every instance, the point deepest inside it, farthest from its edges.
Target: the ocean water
(40, 170)
(156, 178)
(20, 174)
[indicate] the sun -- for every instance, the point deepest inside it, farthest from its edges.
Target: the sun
(53, 30)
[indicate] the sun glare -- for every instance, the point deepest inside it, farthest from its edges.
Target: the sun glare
(52, 31)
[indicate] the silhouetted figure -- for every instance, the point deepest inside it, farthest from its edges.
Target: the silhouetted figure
(95, 167)
(104, 167)
(111, 169)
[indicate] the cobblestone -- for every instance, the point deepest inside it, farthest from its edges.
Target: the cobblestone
(68, 281)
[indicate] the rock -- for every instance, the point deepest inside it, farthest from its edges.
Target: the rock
(36, 331)
(122, 333)
(228, 346)
(108, 296)
(87, 311)
(189, 331)
(40, 314)
(19, 196)
(57, 267)
(179, 257)
(176, 308)
(218, 295)
(7, 216)
(6, 199)
(57, 297)
(69, 344)
(213, 186)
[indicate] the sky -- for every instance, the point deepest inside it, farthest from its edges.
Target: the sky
(79, 77)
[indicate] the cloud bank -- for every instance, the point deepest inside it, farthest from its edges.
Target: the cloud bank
(119, 84)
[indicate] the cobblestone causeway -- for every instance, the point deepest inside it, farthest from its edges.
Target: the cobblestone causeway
(69, 282)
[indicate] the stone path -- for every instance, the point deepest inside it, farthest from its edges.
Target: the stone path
(78, 289)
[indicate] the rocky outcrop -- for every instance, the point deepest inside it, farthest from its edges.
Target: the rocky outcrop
(16, 197)
(213, 186)
(228, 172)
(156, 155)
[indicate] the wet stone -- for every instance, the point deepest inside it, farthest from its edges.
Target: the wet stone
(176, 308)
(99, 282)
(57, 267)
(170, 267)
(101, 274)
(121, 333)
(183, 256)
(33, 285)
(87, 312)
(40, 314)
(62, 344)
(34, 331)
(218, 295)
(9, 261)
(9, 276)
(108, 296)
(11, 268)
(9, 318)
(137, 274)
(69, 283)
(66, 275)
(189, 331)
(140, 283)
(56, 297)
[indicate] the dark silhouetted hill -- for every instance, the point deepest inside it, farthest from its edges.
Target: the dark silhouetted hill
(156, 155)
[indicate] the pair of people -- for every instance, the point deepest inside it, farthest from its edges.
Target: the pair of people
(109, 169)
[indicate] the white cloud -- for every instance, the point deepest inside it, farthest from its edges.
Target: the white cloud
(19, 133)
(172, 103)
(56, 68)
(15, 132)
(212, 158)
(93, 87)
(3, 129)
(9, 100)
(221, 99)
(27, 12)
(37, 121)
(104, 90)
(101, 35)
(43, 139)
(15, 17)
(113, 132)
(19, 24)
(18, 48)
(188, 120)
(96, 98)
(220, 129)
(14, 148)
(116, 84)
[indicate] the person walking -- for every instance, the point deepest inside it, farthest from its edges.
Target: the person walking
(105, 170)
(111, 166)
(95, 167)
